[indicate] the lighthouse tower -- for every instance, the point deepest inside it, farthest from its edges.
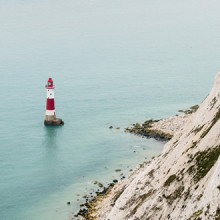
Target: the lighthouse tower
(50, 117)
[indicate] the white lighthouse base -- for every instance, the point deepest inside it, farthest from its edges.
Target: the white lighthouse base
(50, 117)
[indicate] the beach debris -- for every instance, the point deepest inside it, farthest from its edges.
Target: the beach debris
(192, 109)
(100, 184)
(86, 207)
(117, 170)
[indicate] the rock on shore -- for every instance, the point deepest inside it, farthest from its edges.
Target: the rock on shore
(162, 130)
(182, 183)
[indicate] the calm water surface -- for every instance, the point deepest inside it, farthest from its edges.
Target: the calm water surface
(113, 63)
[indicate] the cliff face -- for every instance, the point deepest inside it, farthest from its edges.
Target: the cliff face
(183, 182)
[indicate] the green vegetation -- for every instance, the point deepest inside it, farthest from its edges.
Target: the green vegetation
(214, 100)
(118, 194)
(199, 197)
(196, 214)
(142, 198)
(151, 173)
(187, 194)
(191, 110)
(215, 119)
(197, 186)
(174, 144)
(198, 129)
(217, 214)
(170, 180)
(141, 165)
(176, 194)
(204, 162)
(194, 108)
(194, 144)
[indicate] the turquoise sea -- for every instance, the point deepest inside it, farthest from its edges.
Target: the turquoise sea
(113, 63)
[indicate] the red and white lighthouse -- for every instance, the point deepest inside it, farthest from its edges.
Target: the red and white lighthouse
(50, 117)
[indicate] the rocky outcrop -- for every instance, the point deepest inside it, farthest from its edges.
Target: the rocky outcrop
(182, 183)
(146, 130)
(162, 130)
(55, 122)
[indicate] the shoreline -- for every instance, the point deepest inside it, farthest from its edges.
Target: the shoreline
(160, 130)
(90, 207)
(181, 183)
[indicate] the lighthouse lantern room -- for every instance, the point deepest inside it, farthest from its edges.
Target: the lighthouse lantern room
(50, 117)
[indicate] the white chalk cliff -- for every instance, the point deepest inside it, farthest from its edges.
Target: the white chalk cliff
(183, 182)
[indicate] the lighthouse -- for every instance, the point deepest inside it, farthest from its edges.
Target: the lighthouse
(50, 117)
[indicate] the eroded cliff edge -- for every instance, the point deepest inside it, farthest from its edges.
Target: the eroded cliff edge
(182, 183)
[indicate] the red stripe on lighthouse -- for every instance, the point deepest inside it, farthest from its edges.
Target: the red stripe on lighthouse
(50, 104)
